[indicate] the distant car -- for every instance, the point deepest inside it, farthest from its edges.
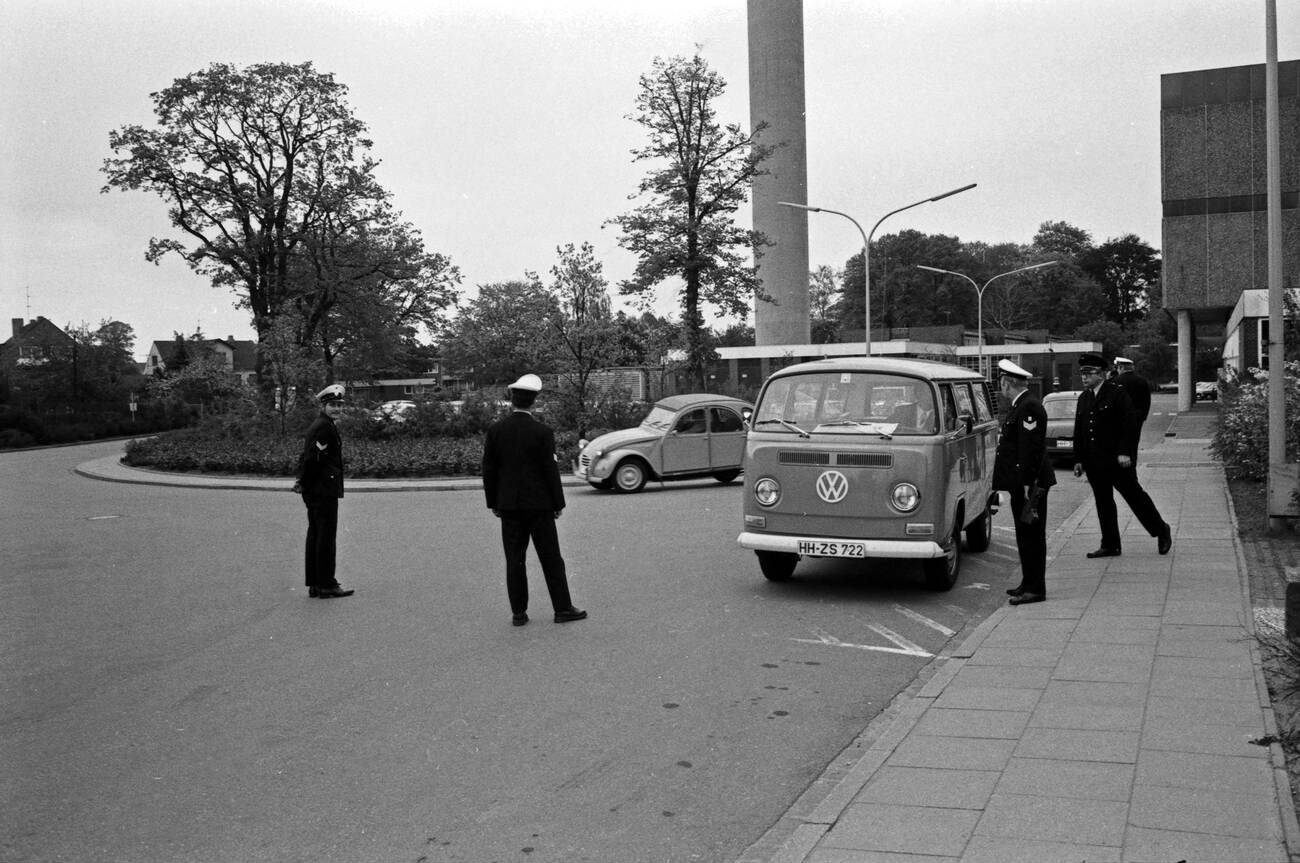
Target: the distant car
(395, 411)
(1207, 391)
(683, 437)
(1060, 409)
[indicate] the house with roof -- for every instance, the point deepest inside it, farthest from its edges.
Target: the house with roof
(237, 356)
(34, 343)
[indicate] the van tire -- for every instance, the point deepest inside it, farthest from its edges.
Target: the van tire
(979, 533)
(941, 572)
(726, 476)
(777, 565)
(629, 476)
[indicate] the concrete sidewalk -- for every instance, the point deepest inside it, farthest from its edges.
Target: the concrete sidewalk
(1121, 720)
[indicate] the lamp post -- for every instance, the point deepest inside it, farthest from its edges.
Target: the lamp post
(979, 294)
(866, 249)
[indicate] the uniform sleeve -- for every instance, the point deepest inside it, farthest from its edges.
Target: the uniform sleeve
(307, 461)
(1032, 437)
(1129, 424)
(552, 468)
(491, 466)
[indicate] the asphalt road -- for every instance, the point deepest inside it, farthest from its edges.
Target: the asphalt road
(168, 692)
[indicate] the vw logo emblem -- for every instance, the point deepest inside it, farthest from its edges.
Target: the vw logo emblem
(832, 486)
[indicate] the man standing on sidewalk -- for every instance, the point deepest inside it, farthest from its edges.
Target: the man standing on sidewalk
(1137, 387)
(523, 488)
(1106, 431)
(1022, 468)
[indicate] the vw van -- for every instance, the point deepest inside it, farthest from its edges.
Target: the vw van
(870, 457)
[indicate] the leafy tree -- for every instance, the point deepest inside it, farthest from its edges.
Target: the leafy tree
(586, 331)
(687, 229)
(1059, 239)
(1128, 271)
(1109, 333)
(645, 339)
(902, 295)
(824, 295)
(735, 336)
(1156, 358)
(504, 332)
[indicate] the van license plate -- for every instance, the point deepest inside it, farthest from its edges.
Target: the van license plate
(832, 549)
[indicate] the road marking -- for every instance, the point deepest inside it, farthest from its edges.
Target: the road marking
(1001, 556)
(923, 620)
(904, 648)
(101, 517)
(977, 585)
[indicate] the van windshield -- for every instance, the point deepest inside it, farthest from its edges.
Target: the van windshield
(841, 402)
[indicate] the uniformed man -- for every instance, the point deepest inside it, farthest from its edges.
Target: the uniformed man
(320, 482)
(1106, 433)
(521, 482)
(1137, 387)
(1022, 468)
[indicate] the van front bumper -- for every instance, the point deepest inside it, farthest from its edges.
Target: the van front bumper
(923, 549)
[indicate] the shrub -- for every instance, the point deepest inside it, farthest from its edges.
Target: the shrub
(1241, 440)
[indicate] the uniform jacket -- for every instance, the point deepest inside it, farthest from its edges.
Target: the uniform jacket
(1139, 392)
(1021, 457)
(320, 467)
(1105, 427)
(519, 469)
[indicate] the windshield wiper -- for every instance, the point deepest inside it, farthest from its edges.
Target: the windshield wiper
(787, 424)
(885, 430)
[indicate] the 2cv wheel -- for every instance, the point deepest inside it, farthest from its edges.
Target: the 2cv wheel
(629, 476)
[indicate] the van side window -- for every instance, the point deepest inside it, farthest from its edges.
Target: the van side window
(949, 407)
(982, 412)
(961, 392)
(725, 420)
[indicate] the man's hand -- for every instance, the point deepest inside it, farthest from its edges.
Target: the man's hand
(497, 513)
(1124, 461)
(297, 488)
(559, 512)
(1078, 470)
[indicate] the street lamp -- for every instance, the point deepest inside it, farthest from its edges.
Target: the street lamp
(979, 293)
(866, 247)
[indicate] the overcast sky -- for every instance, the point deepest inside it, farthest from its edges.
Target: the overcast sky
(502, 126)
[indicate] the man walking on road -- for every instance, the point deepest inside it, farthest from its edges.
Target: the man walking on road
(320, 482)
(1106, 432)
(522, 482)
(1022, 468)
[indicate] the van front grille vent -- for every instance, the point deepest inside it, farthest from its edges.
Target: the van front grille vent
(803, 457)
(864, 459)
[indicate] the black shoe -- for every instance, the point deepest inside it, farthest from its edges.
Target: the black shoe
(1104, 552)
(334, 592)
(1023, 598)
(519, 619)
(1165, 541)
(1015, 591)
(313, 592)
(569, 615)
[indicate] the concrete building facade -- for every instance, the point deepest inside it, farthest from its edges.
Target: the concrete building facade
(1214, 193)
(776, 98)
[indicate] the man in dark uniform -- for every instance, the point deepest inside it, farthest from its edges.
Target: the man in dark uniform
(1139, 391)
(320, 482)
(1106, 430)
(1022, 468)
(522, 483)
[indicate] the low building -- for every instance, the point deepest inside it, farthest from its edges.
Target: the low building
(236, 355)
(34, 343)
(1246, 345)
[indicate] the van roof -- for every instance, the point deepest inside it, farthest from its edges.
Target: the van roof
(929, 369)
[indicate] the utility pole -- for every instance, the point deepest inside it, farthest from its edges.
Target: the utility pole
(1281, 479)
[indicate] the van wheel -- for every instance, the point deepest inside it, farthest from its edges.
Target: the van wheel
(941, 572)
(979, 533)
(726, 476)
(629, 476)
(777, 565)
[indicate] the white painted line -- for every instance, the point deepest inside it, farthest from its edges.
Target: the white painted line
(924, 621)
(1012, 558)
(101, 517)
(905, 648)
(977, 585)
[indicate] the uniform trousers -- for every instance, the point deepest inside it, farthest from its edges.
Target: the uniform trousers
(322, 527)
(1108, 480)
(517, 528)
(1031, 542)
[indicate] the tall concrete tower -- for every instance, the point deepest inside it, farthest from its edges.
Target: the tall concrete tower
(776, 98)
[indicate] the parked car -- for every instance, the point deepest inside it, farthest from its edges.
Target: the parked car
(868, 457)
(683, 437)
(394, 411)
(1207, 391)
(1060, 408)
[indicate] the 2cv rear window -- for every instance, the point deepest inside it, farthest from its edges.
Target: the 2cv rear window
(842, 402)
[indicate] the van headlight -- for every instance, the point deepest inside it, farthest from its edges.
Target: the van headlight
(904, 497)
(767, 491)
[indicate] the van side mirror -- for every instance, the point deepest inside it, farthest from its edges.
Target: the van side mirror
(968, 422)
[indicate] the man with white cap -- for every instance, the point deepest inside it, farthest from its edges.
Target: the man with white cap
(522, 483)
(1022, 468)
(320, 482)
(1106, 432)
(1137, 387)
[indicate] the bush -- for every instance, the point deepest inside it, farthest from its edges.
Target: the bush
(1241, 440)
